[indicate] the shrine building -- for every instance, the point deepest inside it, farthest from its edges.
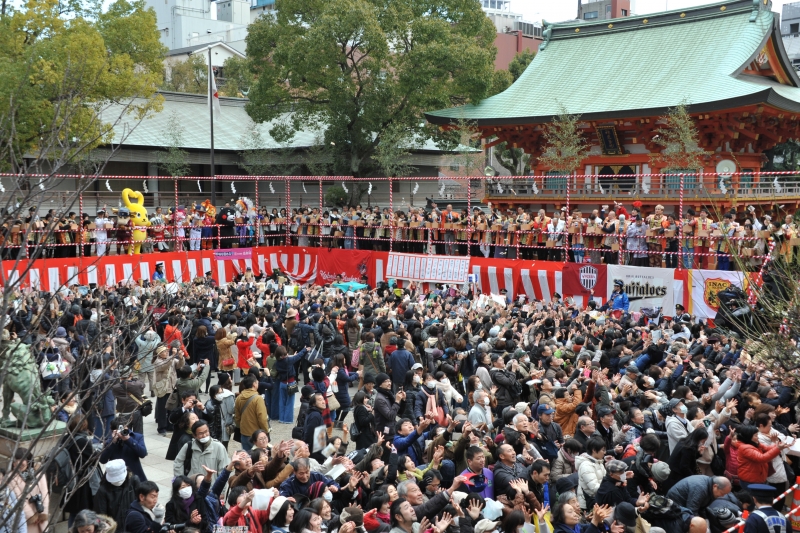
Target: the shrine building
(725, 61)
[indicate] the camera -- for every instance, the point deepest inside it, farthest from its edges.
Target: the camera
(37, 502)
(167, 527)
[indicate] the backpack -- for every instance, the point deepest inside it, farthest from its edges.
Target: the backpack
(296, 339)
(62, 474)
(356, 358)
(297, 430)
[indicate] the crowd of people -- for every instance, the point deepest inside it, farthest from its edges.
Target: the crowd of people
(418, 413)
(607, 234)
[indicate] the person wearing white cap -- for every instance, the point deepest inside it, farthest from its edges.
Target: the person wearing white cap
(281, 513)
(116, 492)
(100, 233)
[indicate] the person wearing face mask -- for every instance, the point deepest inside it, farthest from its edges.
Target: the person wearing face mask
(613, 488)
(186, 506)
(676, 425)
(481, 412)
(116, 492)
(220, 409)
(445, 387)
(201, 450)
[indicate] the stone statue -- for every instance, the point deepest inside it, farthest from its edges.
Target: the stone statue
(22, 377)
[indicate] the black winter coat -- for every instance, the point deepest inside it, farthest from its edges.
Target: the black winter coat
(176, 513)
(612, 492)
(81, 451)
(365, 422)
(114, 501)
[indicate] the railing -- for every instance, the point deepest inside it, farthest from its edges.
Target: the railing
(654, 187)
(403, 227)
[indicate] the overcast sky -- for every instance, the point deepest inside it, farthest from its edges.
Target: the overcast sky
(557, 10)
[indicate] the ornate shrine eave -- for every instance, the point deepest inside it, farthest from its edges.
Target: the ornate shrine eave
(768, 96)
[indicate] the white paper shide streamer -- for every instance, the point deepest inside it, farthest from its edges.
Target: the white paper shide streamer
(777, 185)
(41, 184)
(108, 186)
(369, 190)
(144, 187)
(345, 188)
(233, 187)
(304, 188)
(416, 188)
(271, 188)
(199, 187)
(2, 188)
(722, 188)
(441, 191)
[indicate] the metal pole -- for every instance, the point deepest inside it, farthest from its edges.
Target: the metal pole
(211, 116)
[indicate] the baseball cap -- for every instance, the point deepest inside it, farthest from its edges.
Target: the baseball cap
(545, 409)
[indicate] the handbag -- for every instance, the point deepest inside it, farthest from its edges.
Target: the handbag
(717, 464)
(228, 362)
(333, 403)
(172, 401)
(146, 406)
(291, 388)
(354, 431)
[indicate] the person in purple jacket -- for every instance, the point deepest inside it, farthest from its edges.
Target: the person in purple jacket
(481, 479)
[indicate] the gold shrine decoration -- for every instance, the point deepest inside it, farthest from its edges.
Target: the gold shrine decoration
(609, 142)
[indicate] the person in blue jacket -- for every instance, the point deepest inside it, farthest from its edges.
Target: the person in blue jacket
(130, 448)
(303, 478)
(158, 275)
(618, 298)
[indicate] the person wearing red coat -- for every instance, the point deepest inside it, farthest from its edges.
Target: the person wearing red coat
(241, 512)
(243, 344)
(173, 333)
(754, 458)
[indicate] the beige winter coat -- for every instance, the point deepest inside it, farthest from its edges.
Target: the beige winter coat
(166, 374)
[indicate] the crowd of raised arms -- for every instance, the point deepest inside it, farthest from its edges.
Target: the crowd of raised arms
(608, 234)
(418, 413)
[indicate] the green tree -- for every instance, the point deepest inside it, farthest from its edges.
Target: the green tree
(566, 146)
(336, 196)
(257, 159)
(353, 68)
(501, 81)
(190, 76)
(680, 142)
(520, 63)
(68, 80)
(238, 78)
(174, 161)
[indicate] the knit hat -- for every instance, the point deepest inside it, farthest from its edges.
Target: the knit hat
(625, 513)
(380, 378)
(616, 466)
(485, 526)
(275, 506)
(161, 349)
(316, 489)
(116, 471)
(660, 471)
(494, 332)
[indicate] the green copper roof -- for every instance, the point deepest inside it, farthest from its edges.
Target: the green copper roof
(642, 66)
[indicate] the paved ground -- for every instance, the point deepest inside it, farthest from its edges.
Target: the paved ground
(158, 469)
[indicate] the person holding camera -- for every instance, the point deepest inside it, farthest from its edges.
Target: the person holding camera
(127, 445)
(116, 492)
(38, 497)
